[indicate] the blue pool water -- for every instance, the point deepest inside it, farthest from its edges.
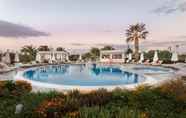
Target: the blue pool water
(152, 69)
(82, 75)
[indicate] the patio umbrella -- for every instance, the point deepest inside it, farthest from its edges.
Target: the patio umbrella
(16, 57)
(50, 58)
(58, 56)
(174, 57)
(155, 58)
(53, 57)
(38, 57)
(80, 57)
(130, 56)
(142, 57)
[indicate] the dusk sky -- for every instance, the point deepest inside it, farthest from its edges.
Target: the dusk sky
(88, 23)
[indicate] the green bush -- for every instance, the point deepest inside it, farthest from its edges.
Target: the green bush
(94, 98)
(114, 112)
(176, 88)
(165, 101)
(23, 86)
(14, 88)
(163, 55)
(182, 58)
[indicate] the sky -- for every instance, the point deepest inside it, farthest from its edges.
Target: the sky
(81, 24)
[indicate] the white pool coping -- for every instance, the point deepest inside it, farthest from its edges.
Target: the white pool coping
(41, 86)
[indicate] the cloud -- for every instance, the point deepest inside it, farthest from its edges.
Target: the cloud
(171, 6)
(8, 29)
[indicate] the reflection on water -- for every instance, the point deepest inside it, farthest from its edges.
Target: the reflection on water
(82, 75)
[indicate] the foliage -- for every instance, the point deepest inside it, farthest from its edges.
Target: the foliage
(92, 55)
(163, 55)
(1, 55)
(23, 86)
(95, 53)
(43, 48)
(30, 102)
(149, 55)
(87, 56)
(14, 88)
(165, 101)
(134, 34)
(107, 48)
(182, 58)
(128, 51)
(73, 57)
(28, 54)
(50, 108)
(176, 88)
(112, 112)
(12, 57)
(95, 98)
(58, 107)
(60, 49)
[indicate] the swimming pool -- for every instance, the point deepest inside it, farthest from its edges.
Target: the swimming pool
(151, 69)
(82, 75)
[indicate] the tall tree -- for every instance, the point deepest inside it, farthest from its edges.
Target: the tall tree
(135, 33)
(28, 53)
(95, 53)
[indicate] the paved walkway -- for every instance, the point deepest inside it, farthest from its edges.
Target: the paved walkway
(8, 75)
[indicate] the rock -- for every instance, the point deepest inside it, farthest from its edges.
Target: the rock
(19, 108)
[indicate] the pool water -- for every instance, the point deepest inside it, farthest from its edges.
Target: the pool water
(152, 69)
(81, 75)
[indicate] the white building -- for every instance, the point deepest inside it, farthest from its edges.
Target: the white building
(52, 56)
(112, 56)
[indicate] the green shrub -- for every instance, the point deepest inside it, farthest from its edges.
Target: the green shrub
(94, 98)
(175, 87)
(182, 58)
(166, 101)
(14, 88)
(23, 86)
(104, 112)
(163, 55)
(57, 108)
(6, 88)
(10, 85)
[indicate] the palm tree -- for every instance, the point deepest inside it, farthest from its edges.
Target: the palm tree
(134, 34)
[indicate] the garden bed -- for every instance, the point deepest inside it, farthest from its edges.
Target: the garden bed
(166, 101)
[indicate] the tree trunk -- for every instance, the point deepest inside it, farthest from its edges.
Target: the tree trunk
(136, 45)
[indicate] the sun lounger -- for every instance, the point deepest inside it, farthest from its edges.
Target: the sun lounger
(147, 62)
(159, 62)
